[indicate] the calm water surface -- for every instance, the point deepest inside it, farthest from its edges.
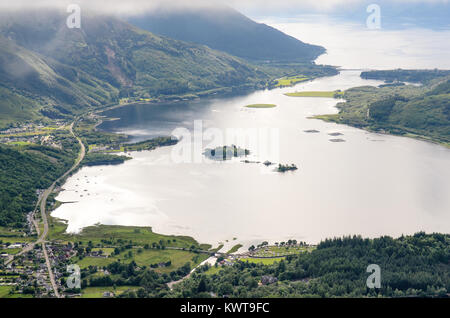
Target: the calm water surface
(370, 184)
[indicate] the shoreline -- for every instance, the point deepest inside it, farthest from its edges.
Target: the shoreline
(203, 97)
(329, 119)
(147, 103)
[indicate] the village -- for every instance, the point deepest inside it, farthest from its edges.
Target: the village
(34, 133)
(26, 275)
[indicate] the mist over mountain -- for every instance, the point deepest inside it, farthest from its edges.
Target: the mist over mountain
(225, 29)
(33, 85)
(47, 68)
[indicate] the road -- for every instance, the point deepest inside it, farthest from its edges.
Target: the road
(172, 283)
(43, 206)
(213, 256)
(31, 245)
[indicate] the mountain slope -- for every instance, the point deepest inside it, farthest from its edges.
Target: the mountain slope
(23, 170)
(225, 29)
(422, 112)
(47, 67)
(123, 55)
(32, 85)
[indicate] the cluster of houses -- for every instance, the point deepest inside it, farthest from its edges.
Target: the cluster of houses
(25, 132)
(45, 140)
(60, 253)
(97, 253)
(228, 261)
(22, 129)
(16, 139)
(29, 272)
(30, 127)
(103, 148)
(7, 246)
(49, 140)
(26, 273)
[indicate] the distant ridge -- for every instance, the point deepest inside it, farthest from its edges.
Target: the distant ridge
(227, 30)
(48, 71)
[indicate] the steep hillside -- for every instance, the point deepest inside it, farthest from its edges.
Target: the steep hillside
(123, 55)
(32, 85)
(225, 29)
(25, 169)
(47, 68)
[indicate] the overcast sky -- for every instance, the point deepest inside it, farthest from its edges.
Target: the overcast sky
(263, 6)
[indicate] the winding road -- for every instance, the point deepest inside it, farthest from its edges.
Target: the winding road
(43, 206)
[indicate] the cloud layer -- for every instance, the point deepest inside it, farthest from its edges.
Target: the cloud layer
(141, 6)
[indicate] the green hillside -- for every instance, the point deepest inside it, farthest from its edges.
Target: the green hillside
(225, 29)
(50, 71)
(47, 69)
(25, 169)
(125, 56)
(414, 111)
(32, 85)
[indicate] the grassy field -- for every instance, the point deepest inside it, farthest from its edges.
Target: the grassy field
(97, 292)
(274, 250)
(218, 248)
(94, 261)
(147, 257)
(326, 94)
(328, 118)
(11, 251)
(138, 235)
(265, 261)
(121, 149)
(234, 248)
(178, 258)
(213, 270)
(5, 231)
(106, 250)
(107, 237)
(290, 80)
(7, 239)
(4, 291)
(261, 106)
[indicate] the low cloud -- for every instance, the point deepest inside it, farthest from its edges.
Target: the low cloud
(142, 6)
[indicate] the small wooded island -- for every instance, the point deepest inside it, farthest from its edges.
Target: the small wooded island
(226, 152)
(284, 168)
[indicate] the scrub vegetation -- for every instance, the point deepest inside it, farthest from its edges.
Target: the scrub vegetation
(413, 111)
